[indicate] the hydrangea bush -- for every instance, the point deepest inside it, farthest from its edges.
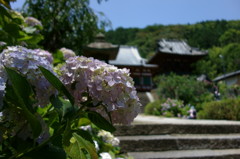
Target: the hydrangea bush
(94, 80)
(42, 113)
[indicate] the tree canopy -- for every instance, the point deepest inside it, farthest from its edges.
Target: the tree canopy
(71, 24)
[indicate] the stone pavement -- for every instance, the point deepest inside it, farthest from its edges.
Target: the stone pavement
(147, 119)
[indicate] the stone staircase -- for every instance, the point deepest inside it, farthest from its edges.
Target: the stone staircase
(152, 137)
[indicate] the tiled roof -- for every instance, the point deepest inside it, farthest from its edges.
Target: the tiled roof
(129, 55)
(227, 75)
(177, 47)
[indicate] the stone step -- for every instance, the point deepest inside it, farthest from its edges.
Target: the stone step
(161, 129)
(152, 125)
(189, 154)
(179, 142)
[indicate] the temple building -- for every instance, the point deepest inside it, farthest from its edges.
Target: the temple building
(100, 49)
(230, 79)
(175, 56)
(123, 57)
(142, 73)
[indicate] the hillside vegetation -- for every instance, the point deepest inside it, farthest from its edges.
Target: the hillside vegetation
(221, 38)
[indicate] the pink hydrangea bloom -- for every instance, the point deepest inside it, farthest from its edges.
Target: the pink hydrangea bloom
(31, 21)
(27, 61)
(104, 83)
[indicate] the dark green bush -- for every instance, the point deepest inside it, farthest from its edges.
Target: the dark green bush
(228, 109)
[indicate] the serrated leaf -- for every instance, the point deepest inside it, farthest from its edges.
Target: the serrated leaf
(100, 122)
(56, 83)
(78, 147)
(22, 91)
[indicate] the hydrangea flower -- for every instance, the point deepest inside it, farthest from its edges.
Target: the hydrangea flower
(45, 54)
(105, 155)
(103, 83)
(31, 21)
(27, 61)
(67, 53)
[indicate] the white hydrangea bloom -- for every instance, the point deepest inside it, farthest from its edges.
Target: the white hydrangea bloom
(67, 53)
(104, 83)
(27, 61)
(105, 155)
(45, 54)
(108, 138)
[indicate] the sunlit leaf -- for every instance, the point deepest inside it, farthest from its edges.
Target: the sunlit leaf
(78, 148)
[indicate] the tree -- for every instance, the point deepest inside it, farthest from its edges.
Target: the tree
(230, 36)
(220, 61)
(185, 88)
(67, 23)
(17, 30)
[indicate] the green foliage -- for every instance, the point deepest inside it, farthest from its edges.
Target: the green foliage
(14, 31)
(203, 35)
(167, 107)
(6, 3)
(185, 88)
(70, 24)
(100, 122)
(230, 36)
(79, 147)
(228, 109)
(22, 90)
(226, 91)
(153, 108)
(220, 60)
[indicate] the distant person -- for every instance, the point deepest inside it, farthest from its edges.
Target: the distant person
(192, 113)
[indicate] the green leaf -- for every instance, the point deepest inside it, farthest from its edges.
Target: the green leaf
(67, 134)
(4, 12)
(83, 121)
(78, 148)
(22, 90)
(5, 3)
(13, 30)
(100, 122)
(56, 83)
(86, 135)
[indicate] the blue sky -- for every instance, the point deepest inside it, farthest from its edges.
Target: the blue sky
(141, 13)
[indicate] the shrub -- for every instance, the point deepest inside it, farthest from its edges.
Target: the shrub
(167, 107)
(228, 109)
(153, 108)
(185, 88)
